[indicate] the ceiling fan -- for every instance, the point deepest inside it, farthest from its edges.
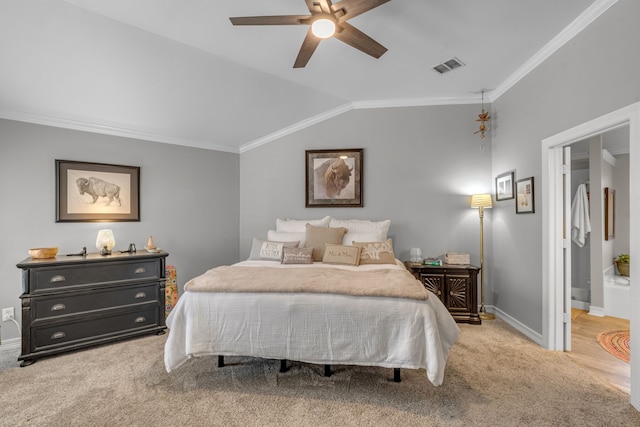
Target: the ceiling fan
(326, 20)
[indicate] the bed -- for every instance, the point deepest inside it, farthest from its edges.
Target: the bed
(247, 310)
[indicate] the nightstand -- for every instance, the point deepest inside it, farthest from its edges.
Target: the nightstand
(455, 285)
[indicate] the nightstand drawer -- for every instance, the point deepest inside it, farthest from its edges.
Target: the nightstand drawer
(46, 279)
(69, 304)
(94, 329)
(434, 283)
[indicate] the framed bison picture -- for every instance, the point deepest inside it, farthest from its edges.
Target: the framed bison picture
(96, 192)
(333, 178)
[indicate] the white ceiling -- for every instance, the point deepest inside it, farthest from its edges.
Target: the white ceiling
(177, 71)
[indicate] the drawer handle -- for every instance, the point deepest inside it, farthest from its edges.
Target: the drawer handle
(58, 335)
(58, 307)
(140, 319)
(58, 278)
(140, 295)
(140, 270)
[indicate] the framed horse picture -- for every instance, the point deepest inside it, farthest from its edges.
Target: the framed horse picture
(333, 178)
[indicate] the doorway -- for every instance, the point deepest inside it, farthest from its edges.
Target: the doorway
(555, 294)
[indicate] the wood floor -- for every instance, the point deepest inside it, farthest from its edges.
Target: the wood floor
(586, 351)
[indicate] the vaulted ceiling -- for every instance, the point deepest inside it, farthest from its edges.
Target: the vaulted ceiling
(177, 71)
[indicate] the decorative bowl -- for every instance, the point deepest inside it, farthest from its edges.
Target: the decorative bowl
(39, 253)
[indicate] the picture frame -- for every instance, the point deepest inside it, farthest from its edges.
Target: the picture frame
(609, 213)
(333, 178)
(525, 196)
(504, 186)
(96, 192)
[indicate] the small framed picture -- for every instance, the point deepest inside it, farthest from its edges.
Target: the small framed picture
(333, 178)
(525, 196)
(504, 186)
(609, 213)
(95, 192)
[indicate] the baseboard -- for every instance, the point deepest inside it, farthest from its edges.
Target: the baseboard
(516, 324)
(596, 311)
(10, 344)
(581, 305)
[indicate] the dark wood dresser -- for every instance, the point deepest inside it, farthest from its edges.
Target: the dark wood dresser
(455, 285)
(72, 302)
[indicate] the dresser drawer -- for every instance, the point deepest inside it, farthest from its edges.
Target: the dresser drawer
(72, 303)
(46, 279)
(94, 329)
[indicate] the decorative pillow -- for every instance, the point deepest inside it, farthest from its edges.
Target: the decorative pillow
(362, 230)
(318, 237)
(376, 252)
(297, 256)
(341, 254)
(298, 225)
(269, 251)
(280, 236)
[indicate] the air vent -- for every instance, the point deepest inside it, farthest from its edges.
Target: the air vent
(447, 66)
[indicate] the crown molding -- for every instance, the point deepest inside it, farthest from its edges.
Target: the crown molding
(114, 130)
(355, 105)
(573, 29)
(414, 102)
(296, 127)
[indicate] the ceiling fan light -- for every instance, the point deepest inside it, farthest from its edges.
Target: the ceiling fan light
(323, 28)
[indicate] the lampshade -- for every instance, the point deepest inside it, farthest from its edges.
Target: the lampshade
(481, 201)
(416, 255)
(105, 238)
(323, 28)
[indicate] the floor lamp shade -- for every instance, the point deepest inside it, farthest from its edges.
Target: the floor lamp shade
(480, 202)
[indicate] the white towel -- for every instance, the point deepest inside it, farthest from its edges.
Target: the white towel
(580, 222)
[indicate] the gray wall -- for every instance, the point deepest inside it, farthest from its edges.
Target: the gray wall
(594, 74)
(189, 201)
(621, 185)
(421, 164)
(600, 173)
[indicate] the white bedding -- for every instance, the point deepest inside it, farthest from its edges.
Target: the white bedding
(313, 328)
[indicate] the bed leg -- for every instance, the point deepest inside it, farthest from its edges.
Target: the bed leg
(220, 361)
(283, 365)
(327, 370)
(396, 375)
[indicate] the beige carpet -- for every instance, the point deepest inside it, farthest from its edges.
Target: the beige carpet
(495, 377)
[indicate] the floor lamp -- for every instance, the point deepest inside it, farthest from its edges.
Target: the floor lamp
(482, 201)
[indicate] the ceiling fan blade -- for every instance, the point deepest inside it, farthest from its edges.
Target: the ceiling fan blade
(353, 37)
(319, 6)
(271, 20)
(347, 9)
(309, 46)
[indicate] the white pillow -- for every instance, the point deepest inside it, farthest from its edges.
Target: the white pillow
(299, 225)
(281, 236)
(362, 230)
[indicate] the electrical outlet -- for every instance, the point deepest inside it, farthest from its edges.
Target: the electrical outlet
(7, 314)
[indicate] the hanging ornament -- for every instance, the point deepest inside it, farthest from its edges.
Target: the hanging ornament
(482, 118)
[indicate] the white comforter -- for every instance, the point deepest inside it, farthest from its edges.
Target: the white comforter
(313, 328)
